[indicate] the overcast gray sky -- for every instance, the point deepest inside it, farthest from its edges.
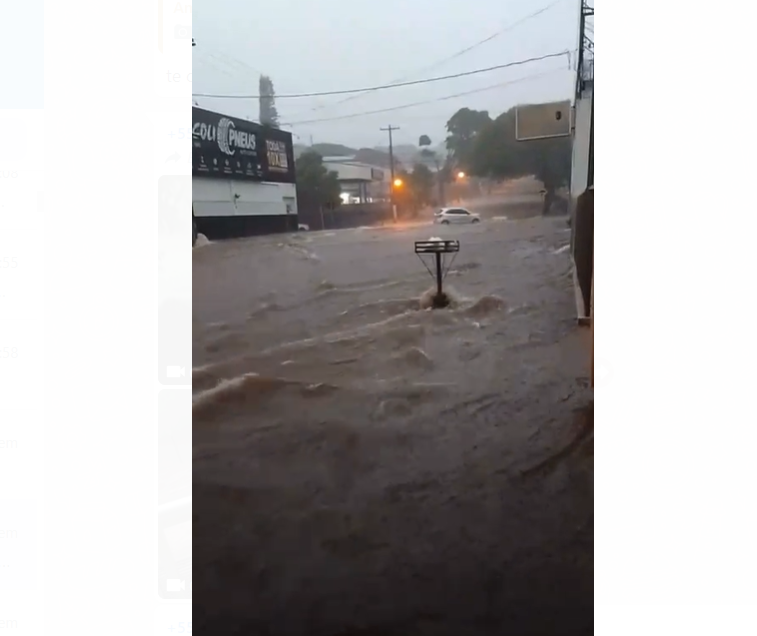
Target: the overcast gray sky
(308, 46)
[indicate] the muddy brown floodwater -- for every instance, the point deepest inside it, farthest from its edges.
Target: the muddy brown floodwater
(363, 466)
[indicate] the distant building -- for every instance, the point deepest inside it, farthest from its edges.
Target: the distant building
(360, 182)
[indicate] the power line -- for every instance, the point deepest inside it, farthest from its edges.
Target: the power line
(234, 64)
(388, 86)
(461, 52)
(423, 103)
(238, 64)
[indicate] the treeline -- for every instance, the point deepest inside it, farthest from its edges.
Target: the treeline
(487, 148)
(476, 146)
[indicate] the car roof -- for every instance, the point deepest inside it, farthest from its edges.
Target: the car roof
(455, 207)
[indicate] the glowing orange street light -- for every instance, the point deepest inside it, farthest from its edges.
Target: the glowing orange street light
(398, 183)
(461, 175)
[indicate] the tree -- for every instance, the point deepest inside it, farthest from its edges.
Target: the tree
(497, 155)
(421, 185)
(427, 155)
(463, 128)
(416, 191)
(443, 167)
(317, 187)
(269, 116)
(551, 164)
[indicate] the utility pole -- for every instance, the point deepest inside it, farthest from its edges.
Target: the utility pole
(590, 174)
(584, 43)
(391, 129)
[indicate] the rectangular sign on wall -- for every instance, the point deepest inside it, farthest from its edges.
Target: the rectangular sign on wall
(231, 148)
(543, 121)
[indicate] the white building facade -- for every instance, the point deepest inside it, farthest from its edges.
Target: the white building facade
(360, 182)
(243, 177)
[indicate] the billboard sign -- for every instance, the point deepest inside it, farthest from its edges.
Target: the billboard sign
(543, 121)
(231, 148)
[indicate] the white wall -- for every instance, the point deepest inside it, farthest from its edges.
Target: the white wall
(216, 197)
(348, 171)
(581, 141)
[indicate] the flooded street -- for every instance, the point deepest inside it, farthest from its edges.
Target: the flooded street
(363, 465)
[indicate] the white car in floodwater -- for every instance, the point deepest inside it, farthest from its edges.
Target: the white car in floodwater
(448, 216)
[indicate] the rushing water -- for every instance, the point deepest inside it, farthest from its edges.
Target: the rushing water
(362, 461)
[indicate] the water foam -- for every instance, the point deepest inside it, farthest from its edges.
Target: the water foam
(202, 241)
(426, 300)
(484, 306)
(302, 252)
(327, 288)
(249, 387)
(416, 357)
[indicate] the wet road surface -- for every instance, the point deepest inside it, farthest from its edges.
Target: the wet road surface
(365, 466)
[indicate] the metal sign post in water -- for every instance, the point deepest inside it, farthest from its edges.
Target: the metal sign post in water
(438, 248)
